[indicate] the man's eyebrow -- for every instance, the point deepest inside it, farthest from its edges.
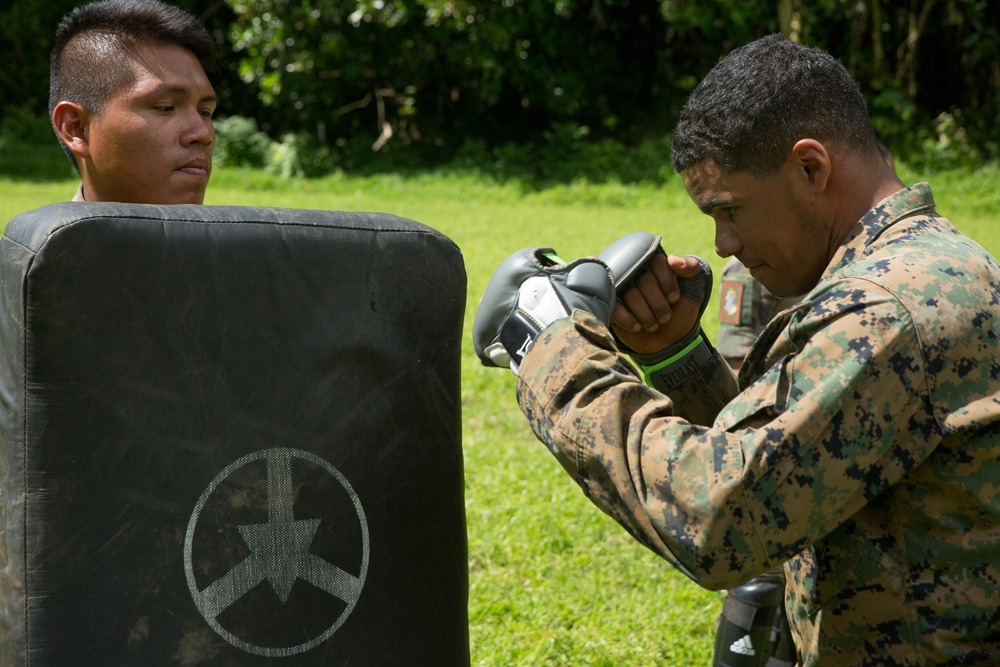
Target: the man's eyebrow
(713, 203)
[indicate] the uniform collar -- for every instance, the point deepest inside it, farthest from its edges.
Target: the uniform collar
(901, 204)
(79, 194)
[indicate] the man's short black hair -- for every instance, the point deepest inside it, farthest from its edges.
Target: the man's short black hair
(96, 44)
(749, 111)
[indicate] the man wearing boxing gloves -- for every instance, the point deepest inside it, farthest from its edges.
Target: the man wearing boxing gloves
(860, 446)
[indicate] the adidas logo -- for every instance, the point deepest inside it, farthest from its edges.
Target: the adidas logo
(742, 646)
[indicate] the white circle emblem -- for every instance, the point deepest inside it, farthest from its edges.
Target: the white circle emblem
(279, 552)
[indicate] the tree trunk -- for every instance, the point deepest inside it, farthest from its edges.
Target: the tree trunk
(907, 72)
(878, 49)
(790, 19)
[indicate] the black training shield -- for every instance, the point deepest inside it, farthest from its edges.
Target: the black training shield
(230, 436)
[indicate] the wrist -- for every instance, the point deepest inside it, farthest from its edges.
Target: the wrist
(674, 365)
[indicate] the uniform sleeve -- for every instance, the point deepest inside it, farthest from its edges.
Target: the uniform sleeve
(839, 416)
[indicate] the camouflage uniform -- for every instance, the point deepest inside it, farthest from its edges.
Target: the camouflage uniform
(745, 307)
(864, 448)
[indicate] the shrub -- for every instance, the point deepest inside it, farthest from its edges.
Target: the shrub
(24, 125)
(568, 155)
(299, 155)
(947, 146)
(238, 143)
(29, 149)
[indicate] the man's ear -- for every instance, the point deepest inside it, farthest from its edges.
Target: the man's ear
(811, 162)
(72, 125)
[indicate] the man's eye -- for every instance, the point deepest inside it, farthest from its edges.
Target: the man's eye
(208, 113)
(731, 212)
(164, 107)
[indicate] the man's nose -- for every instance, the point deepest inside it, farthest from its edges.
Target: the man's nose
(726, 245)
(198, 129)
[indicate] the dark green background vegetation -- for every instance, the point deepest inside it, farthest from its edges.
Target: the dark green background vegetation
(538, 90)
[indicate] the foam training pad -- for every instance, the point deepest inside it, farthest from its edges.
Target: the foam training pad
(230, 436)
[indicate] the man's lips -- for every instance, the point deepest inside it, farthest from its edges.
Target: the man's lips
(197, 167)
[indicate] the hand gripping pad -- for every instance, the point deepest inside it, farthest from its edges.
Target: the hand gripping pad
(230, 436)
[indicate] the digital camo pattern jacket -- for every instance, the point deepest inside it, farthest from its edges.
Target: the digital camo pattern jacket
(864, 448)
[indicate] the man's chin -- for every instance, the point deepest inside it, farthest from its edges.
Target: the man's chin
(189, 188)
(774, 284)
(185, 196)
(180, 193)
(194, 199)
(765, 277)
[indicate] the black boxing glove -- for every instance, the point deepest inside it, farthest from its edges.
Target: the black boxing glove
(529, 290)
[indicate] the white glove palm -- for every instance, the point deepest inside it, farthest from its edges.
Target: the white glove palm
(528, 292)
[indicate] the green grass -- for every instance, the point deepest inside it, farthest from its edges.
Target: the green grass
(552, 580)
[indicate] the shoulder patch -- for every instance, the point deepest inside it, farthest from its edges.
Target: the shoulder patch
(731, 304)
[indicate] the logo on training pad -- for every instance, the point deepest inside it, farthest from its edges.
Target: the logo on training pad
(743, 646)
(525, 346)
(264, 579)
(732, 302)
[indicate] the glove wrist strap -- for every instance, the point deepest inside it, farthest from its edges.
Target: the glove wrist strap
(669, 369)
(518, 335)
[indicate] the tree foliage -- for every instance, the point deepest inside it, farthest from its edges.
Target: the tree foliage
(447, 69)
(436, 74)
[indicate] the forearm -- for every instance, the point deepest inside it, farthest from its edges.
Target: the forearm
(682, 498)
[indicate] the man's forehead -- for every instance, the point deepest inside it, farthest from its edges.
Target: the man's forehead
(703, 177)
(170, 64)
(711, 187)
